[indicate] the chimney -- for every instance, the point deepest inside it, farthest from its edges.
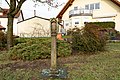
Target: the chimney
(34, 13)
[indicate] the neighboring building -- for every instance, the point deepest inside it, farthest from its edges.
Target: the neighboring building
(4, 19)
(34, 27)
(76, 12)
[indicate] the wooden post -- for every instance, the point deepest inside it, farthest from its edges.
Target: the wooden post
(54, 72)
(53, 44)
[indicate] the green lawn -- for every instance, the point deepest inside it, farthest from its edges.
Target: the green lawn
(101, 66)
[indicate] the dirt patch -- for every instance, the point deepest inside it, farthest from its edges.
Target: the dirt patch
(27, 64)
(44, 63)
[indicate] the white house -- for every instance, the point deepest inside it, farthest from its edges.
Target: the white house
(4, 19)
(77, 12)
(34, 27)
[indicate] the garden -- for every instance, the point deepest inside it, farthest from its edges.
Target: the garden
(89, 55)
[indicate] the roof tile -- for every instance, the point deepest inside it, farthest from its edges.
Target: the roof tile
(5, 11)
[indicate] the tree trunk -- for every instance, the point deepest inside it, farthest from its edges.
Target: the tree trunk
(10, 32)
(15, 6)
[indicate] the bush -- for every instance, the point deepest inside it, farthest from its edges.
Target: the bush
(89, 39)
(3, 39)
(69, 32)
(118, 36)
(109, 27)
(64, 48)
(38, 49)
(104, 24)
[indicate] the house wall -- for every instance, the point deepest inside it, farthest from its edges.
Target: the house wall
(4, 24)
(108, 12)
(81, 19)
(34, 27)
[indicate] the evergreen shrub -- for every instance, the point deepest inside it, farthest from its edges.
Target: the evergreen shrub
(90, 39)
(37, 48)
(3, 39)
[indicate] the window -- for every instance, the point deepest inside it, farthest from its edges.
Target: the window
(91, 6)
(67, 24)
(97, 5)
(76, 8)
(87, 7)
(76, 22)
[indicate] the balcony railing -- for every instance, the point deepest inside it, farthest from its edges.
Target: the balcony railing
(80, 12)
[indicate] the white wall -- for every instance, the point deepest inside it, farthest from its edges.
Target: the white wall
(4, 24)
(35, 27)
(80, 19)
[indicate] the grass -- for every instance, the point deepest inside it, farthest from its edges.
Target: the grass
(98, 68)
(102, 66)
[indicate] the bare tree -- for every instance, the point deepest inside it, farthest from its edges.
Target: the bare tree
(14, 8)
(51, 3)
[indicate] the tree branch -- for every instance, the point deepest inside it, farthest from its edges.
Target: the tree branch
(49, 2)
(18, 6)
(12, 6)
(17, 1)
(41, 1)
(7, 3)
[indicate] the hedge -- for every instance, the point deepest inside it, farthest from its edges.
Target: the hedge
(104, 24)
(38, 48)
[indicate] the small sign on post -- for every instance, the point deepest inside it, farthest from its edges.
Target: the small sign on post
(53, 72)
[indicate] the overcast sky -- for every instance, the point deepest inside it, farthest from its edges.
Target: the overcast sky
(42, 10)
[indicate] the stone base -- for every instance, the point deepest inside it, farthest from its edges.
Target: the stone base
(49, 73)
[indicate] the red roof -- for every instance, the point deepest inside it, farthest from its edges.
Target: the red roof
(116, 2)
(69, 3)
(5, 11)
(2, 28)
